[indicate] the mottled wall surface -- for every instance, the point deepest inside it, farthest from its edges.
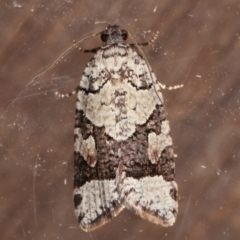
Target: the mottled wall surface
(198, 45)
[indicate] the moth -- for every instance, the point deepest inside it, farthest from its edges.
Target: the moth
(123, 153)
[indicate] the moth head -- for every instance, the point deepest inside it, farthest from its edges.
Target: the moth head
(114, 34)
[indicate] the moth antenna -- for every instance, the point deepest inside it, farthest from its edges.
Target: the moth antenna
(75, 45)
(163, 86)
(145, 58)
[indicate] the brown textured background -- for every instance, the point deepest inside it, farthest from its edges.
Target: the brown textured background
(198, 45)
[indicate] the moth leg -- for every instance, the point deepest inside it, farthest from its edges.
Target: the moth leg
(94, 50)
(60, 95)
(139, 44)
(163, 86)
(151, 41)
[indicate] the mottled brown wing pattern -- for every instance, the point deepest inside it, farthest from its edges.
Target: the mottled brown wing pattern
(123, 151)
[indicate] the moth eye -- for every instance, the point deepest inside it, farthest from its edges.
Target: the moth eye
(124, 35)
(104, 37)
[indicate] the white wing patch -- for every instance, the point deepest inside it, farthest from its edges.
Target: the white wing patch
(150, 198)
(98, 198)
(118, 107)
(86, 147)
(157, 143)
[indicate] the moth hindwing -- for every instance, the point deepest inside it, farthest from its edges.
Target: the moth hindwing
(123, 151)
